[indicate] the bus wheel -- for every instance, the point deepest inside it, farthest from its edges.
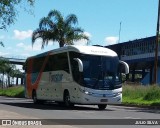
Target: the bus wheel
(102, 106)
(67, 100)
(34, 97)
(60, 103)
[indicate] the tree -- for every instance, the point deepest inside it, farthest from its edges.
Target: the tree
(54, 27)
(8, 11)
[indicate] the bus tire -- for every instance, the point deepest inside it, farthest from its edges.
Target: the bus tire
(67, 102)
(34, 97)
(60, 103)
(102, 106)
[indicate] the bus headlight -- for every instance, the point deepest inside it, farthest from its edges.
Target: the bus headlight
(88, 93)
(117, 94)
(85, 92)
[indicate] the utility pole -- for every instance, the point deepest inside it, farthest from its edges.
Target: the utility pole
(119, 32)
(156, 47)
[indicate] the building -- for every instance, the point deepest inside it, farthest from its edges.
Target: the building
(139, 54)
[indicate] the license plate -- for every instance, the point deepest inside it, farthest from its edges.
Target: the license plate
(104, 100)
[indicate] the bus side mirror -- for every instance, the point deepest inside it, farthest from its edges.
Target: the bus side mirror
(80, 64)
(126, 67)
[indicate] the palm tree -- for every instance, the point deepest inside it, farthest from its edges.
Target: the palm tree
(4, 64)
(54, 27)
(1, 43)
(10, 72)
(2, 70)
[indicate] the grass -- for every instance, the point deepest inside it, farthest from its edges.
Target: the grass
(141, 95)
(17, 91)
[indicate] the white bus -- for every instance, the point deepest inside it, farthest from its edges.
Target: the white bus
(71, 75)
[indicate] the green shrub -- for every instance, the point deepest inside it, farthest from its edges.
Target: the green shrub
(141, 95)
(152, 94)
(17, 91)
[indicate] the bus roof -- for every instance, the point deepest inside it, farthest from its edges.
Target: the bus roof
(91, 50)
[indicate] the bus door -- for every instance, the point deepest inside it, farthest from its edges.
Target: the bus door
(77, 79)
(56, 84)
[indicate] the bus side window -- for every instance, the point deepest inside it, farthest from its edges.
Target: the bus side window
(48, 66)
(59, 62)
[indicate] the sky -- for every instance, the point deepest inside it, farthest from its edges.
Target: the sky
(100, 20)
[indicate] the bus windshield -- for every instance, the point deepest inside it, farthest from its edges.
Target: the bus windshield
(101, 72)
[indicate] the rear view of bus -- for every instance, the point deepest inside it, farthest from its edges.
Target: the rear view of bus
(92, 76)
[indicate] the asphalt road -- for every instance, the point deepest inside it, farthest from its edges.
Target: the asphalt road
(54, 111)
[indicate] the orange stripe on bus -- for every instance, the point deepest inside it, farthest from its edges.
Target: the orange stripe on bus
(30, 85)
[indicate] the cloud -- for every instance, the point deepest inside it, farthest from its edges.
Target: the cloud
(36, 46)
(50, 43)
(20, 45)
(83, 41)
(88, 34)
(111, 40)
(22, 35)
(4, 53)
(27, 50)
